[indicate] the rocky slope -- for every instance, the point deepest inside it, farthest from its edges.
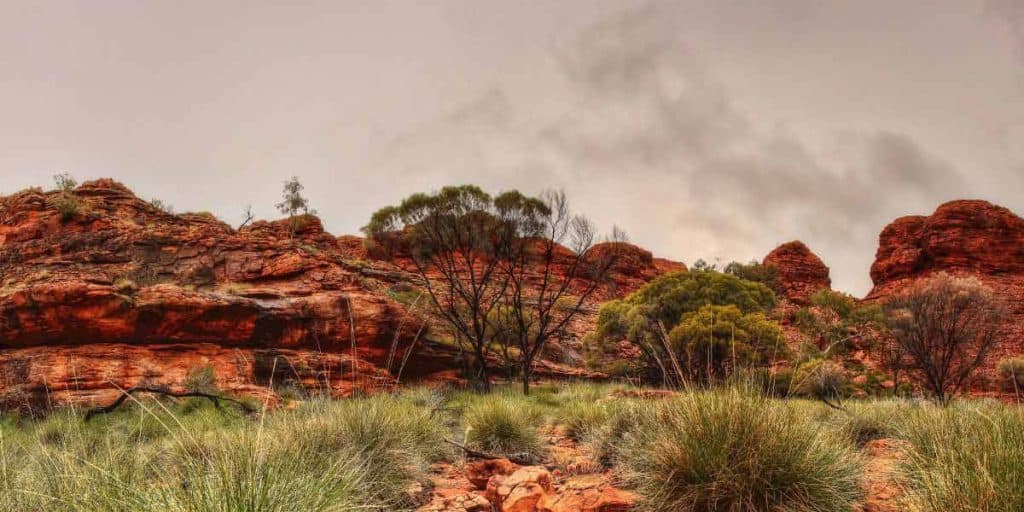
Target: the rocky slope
(100, 290)
(965, 238)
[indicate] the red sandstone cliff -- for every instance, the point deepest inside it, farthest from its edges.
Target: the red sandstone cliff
(961, 237)
(119, 293)
(801, 272)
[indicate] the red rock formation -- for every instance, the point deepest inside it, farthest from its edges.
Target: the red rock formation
(100, 290)
(961, 237)
(801, 272)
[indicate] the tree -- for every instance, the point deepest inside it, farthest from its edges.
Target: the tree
(553, 267)
(247, 216)
(947, 327)
(646, 317)
(715, 341)
(756, 272)
(65, 182)
(495, 268)
(450, 239)
(293, 203)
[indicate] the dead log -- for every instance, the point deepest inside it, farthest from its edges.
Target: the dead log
(126, 394)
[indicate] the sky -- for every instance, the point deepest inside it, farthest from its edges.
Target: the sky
(703, 128)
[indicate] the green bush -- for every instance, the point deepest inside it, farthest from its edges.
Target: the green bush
(821, 379)
(841, 303)
(504, 425)
(965, 457)
(646, 316)
(730, 450)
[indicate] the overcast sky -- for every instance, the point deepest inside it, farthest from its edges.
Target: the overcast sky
(705, 129)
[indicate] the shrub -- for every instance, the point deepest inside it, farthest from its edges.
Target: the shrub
(716, 340)
(162, 206)
(646, 317)
(868, 421)
(125, 285)
(584, 416)
(607, 440)
(201, 379)
(840, 303)
(504, 425)
(729, 450)
(1012, 369)
(947, 327)
(756, 272)
(965, 457)
(68, 205)
(821, 379)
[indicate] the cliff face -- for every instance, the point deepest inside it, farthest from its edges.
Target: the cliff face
(801, 272)
(115, 293)
(962, 237)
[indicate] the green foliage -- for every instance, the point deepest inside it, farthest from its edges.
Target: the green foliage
(292, 201)
(870, 420)
(820, 378)
(65, 182)
(201, 379)
(688, 300)
(840, 303)
(755, 272)
(703, 449)
(718, 339)
(965, 457)
(68, 205)
(358, 454)
(504, 425)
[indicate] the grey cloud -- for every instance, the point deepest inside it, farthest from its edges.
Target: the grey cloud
(646, 110)
(1012, 12)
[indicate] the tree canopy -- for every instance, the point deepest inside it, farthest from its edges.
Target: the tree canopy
(679, 319)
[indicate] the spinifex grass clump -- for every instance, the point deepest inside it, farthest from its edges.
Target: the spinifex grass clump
(505, 425)
(736, 451)
(326, 456)
(968, 457)
(863, 422)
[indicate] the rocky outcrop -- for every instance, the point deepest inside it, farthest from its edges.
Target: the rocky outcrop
(100, 290)
(975, 237)
(112, 292)
(801, 272)
(961, 237)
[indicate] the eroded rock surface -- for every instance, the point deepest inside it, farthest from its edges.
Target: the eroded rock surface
(974, 238)
(801, 272)
(114, 292)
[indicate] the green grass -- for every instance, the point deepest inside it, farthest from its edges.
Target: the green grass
(326, 456)
(733, 449)
(738, 451)
(504, 424)
(968, 457)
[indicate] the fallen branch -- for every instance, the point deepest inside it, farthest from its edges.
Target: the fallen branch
(126, 394)
(523, 460)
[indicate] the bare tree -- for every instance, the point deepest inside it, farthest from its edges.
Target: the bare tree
(947, 327)
(553, 267)
(247, 217)
(893, 358)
